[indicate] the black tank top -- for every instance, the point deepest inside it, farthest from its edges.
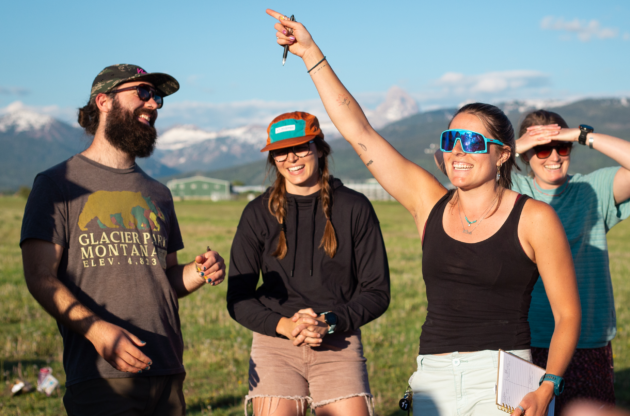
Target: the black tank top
(478, 294)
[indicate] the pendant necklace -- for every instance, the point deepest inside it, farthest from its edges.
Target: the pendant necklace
(464, 230)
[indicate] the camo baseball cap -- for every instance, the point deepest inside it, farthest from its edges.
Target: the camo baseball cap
(112, 76)
(292, 129)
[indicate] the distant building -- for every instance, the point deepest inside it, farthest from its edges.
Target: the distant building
(371, 189)
(200, 187)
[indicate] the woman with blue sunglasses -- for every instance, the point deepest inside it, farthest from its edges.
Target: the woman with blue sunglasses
(483, 249)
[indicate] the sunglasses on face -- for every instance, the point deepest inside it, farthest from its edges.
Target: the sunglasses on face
(145, 93)
(301, 150)
(543, 152)
(471, 142)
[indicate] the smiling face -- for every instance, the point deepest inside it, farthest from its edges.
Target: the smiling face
(469, 171)
(129, 122)
(550, 172)
(144, 111)
(301, 174)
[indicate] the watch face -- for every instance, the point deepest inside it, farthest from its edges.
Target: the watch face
(331, 318)
(586, 127)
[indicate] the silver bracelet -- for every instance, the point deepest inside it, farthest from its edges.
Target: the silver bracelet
(591, 140)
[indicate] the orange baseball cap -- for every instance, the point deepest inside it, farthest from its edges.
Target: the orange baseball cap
(292, 129)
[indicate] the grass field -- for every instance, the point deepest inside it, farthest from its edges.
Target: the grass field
(217, 349)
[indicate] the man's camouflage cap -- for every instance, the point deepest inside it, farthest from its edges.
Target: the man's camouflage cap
(112, 76)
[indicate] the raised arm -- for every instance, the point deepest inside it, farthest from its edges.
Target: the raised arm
(415, 188)
(544, 240)
(613, 147)
(117, 346)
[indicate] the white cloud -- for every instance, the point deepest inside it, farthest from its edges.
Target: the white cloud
(584, 30)
(454, 83)
(14, 91)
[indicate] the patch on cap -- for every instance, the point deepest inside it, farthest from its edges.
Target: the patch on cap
(292, 129)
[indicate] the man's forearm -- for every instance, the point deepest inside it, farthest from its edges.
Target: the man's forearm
(184, 279)
(59, 302)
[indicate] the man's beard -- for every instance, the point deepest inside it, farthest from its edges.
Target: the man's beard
(127, 134)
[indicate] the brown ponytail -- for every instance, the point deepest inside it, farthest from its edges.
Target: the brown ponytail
(278, 203)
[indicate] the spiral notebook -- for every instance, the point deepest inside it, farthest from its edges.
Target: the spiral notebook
(515, 378)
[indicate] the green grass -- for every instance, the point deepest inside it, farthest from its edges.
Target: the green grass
(217, 348)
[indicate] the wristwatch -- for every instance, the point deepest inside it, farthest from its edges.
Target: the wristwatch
(331, 320)
(584, 131)
(558, 383)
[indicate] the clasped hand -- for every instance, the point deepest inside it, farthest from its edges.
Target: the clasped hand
(310, 328)
(305, 327)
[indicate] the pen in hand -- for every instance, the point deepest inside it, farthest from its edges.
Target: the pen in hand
(286, 47)
(202, 271)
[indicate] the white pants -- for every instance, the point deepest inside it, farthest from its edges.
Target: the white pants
(458, 384)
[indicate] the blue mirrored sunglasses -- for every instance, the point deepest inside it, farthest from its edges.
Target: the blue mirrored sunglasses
(471, 142)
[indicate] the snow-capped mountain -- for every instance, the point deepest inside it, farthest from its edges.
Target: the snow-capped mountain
(188, 148)
(397, 105)
(18, 119)
(179, 137)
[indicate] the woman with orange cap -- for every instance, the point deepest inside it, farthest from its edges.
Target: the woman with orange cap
(320, 250)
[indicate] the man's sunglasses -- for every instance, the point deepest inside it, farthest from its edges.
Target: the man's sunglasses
(301, 150)
(543, 152)
(471, 142)
(145, 93)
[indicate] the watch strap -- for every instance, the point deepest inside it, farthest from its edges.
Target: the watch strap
(584, 131)
(558, 383)
(332, 325)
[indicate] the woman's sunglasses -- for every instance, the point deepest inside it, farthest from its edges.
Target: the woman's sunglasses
(301, 150)
(543, 152)
(471, 142)
(145, 93)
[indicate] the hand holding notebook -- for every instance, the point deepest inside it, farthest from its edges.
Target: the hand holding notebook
(517, 385)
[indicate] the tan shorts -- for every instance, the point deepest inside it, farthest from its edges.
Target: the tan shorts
(315, 376)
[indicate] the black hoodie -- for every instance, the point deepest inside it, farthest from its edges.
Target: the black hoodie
(354, 284)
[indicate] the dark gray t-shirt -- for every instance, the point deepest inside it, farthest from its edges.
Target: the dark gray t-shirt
(117, 226)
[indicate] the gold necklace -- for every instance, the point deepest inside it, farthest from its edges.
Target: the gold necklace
(459, 207)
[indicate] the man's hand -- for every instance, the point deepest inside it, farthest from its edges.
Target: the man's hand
(211, 267)
(118, 347)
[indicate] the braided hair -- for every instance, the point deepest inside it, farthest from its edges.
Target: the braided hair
(278, 202)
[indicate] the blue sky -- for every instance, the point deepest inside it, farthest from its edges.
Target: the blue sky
(229, 67)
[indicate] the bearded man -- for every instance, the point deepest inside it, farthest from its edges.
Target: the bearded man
(99, 245)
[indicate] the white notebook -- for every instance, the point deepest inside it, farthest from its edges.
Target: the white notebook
(517, 377)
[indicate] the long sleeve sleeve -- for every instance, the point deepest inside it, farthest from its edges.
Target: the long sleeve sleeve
(372, 272)
(245, 266)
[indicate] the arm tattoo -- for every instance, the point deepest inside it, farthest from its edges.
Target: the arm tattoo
(343, 100)
(369, 163)
(362, 146)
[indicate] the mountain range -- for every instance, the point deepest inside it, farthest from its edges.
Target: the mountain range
(416, 137)
(32, 142)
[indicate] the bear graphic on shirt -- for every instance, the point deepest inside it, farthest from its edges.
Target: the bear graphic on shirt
(120, 209)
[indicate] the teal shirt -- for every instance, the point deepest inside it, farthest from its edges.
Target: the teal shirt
(587, 210)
